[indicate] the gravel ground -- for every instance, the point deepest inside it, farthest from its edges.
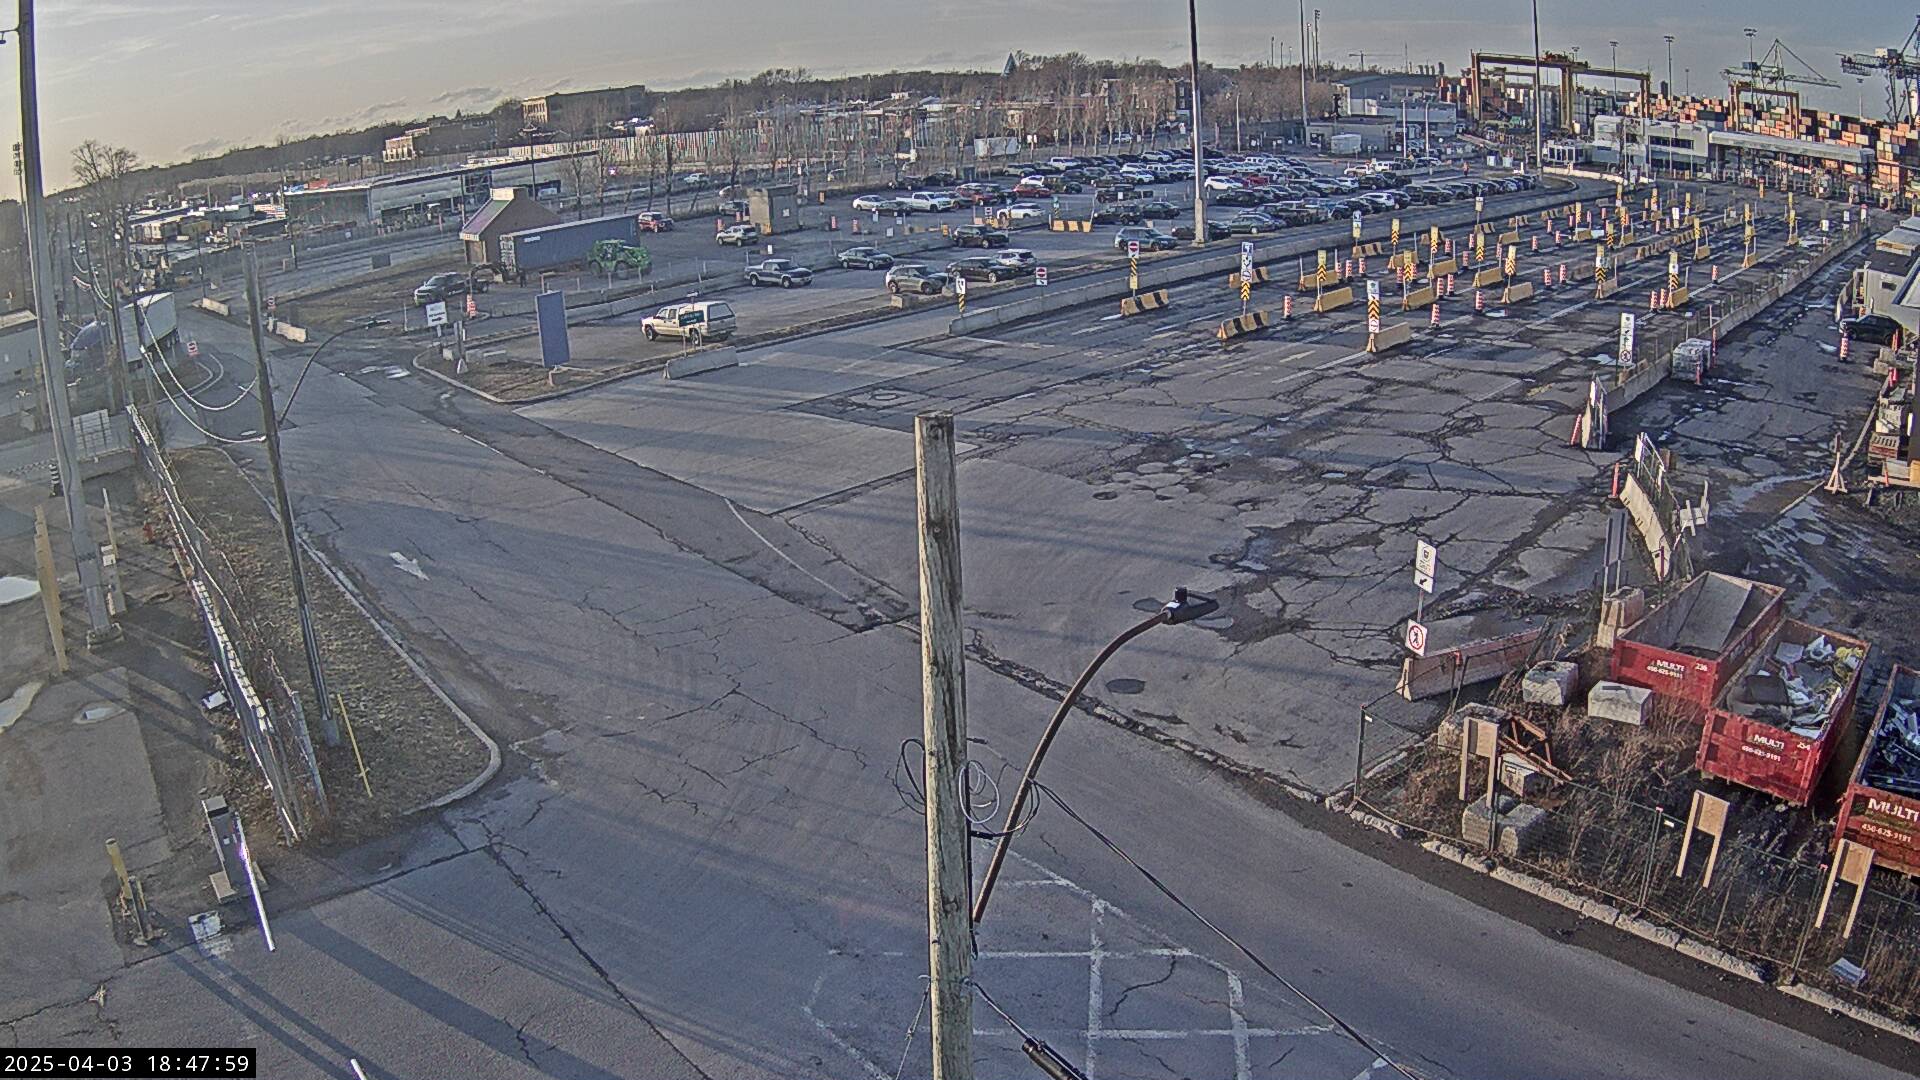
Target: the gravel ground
(414, 747)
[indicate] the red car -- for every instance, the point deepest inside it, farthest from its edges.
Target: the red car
(654, 221)
(1026, 190)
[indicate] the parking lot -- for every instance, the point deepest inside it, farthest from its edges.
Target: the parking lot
(1289, 472)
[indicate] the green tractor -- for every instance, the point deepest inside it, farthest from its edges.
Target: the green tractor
(610, 257)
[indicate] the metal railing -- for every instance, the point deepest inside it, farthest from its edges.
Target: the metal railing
(267, 710)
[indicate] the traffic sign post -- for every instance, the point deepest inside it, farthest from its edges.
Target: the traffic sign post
(437, 316)
(1416, 638)
(1426, 562)
(1373, 308)
(1040, 276)
(1133, 267)
(960, 293)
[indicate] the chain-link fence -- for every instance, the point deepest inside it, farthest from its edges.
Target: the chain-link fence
(1605, 839)
(266, 710)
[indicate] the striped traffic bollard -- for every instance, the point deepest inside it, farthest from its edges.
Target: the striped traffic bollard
(1479, 301)
(1843, 344)
(1533, 244)
(1449, 245)
(1363, 266)
(833, 223)
(1546, 278)
(1616, 479)
(1348, 267)
(1563, 273)
(1653, 300)
(1286, 307)
(1716, 275)
(1450, 284)
(1433, 318)
(1556, 238)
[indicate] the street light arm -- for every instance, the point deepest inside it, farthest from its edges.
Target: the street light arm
(368, 325)
(1184, 608)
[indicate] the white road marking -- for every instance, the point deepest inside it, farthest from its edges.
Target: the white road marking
(406, 565)
(1236, 1003)
(1367, 1072)
(1096, 990)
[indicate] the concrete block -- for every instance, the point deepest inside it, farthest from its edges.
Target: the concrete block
(1618, 610)
(1619, 703)
(1550, 682)
(1518, 775)
(1391, 336)
(1476, 822)
(1521, 830)
(700, 361)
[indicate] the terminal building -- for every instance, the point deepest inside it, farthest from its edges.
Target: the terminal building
(412, 197)
(1693, 148)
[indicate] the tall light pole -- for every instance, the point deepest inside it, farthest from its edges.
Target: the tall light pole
(1303, 73)
(53, 368)
(1199, 159)
(1539, 157)
(1669, 38)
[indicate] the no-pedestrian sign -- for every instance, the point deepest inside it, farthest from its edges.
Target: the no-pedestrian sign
(1416, 638)
(1133, 249)
(1040, 275)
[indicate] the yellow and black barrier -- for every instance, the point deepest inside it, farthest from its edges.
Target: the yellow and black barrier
(1241, 325)
(1071, 225)
(1147, 301)
(1333, 298)
(1320, 280)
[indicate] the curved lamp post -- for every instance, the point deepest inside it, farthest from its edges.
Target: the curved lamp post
(368, 324)
(1184, 607)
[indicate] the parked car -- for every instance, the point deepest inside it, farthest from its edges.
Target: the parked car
(915, 278)
(441, 287)
(1111, 214)
(885, 204)
(1215, 231)
(981, 236)
(864, 258)
(1148, 237)
(653, 221)
(1158, 208)
(1023, 211)
(1017, 260)
(782, 272)
(1252, 224)
(929, 200)
(981, 194)
(701, 320)
(979, 268)
(740, 235)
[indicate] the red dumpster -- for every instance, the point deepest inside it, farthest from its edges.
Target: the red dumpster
(1686, 648)
(1881, 808)
(1775, 726)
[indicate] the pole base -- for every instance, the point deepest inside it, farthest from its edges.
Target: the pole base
(105, 635)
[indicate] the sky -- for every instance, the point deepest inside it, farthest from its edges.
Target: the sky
(176, 79)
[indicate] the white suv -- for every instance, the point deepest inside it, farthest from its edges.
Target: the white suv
(930, 200)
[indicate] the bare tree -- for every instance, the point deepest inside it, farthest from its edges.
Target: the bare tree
(106, 176)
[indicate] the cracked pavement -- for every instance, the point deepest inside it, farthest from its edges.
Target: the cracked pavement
(686, 613)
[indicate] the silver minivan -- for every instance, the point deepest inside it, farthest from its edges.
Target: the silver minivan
(700, 320)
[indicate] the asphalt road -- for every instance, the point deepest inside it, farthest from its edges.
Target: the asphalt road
(698, 862)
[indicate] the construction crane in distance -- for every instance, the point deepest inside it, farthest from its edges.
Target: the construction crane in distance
(1770, 77)
(1900, 65)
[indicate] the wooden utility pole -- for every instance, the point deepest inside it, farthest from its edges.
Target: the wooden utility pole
(943, 693)
(270, 432)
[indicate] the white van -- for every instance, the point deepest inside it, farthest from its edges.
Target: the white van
(701, 320)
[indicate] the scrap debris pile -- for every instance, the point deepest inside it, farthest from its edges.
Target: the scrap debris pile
(1894, 761)
(1798, 687)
